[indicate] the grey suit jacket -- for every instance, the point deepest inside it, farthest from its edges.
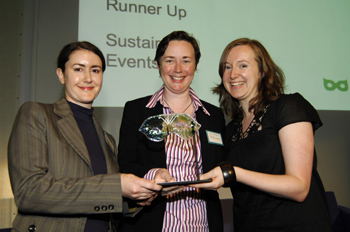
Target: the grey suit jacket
(51, 174)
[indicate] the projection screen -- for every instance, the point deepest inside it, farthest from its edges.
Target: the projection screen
(307, 39)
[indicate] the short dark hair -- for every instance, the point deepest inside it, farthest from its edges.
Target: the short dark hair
(177, 35)
(68, 49)
(270, 86)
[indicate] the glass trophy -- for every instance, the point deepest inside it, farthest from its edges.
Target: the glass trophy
(157, 128)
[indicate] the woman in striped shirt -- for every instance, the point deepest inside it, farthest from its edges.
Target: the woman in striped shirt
(178, 208)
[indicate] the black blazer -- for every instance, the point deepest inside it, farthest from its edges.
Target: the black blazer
(137, 155)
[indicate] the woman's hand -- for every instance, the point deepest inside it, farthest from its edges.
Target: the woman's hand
(137, 188)
(162, 176)
(148, 201)
(217, 180)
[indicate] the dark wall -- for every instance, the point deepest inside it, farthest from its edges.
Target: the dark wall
(48, 26)
(333, 151)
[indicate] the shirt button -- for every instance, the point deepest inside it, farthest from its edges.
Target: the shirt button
(97, 208)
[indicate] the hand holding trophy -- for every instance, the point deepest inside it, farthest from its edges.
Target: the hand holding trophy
(158, 127)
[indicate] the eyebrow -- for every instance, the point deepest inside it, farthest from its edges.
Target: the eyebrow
(83, 65)
(173, 57)
(240, 61)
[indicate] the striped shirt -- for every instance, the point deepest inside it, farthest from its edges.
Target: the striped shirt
(185, 211)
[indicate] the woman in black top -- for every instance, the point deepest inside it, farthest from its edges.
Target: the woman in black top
(270, 145)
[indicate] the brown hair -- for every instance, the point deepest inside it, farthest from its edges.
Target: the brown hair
(270, 86)
(177, 35)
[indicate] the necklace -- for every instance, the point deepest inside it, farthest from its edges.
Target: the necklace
(184, 109)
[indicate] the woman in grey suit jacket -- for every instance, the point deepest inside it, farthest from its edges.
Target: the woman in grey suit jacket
(63, 165)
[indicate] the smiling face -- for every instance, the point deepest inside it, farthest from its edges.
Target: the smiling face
(177, 66)
(82, 77)
(241, 75)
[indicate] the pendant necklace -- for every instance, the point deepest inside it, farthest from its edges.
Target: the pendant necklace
(184, 109)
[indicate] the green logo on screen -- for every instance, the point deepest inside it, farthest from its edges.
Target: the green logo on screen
(331, 85)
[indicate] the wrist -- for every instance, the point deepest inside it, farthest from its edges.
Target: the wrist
(228, 173)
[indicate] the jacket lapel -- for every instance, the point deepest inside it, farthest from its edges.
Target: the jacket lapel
(70, 130)
(204, 120)
(159, 160)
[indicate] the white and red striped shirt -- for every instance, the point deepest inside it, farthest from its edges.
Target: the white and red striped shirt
(185, 211)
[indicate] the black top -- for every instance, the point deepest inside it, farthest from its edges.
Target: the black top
(83, 117)
(260, 151)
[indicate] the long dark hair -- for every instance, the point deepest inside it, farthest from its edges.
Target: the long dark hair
(270, 86)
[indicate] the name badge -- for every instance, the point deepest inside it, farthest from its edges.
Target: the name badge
(214, 138)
